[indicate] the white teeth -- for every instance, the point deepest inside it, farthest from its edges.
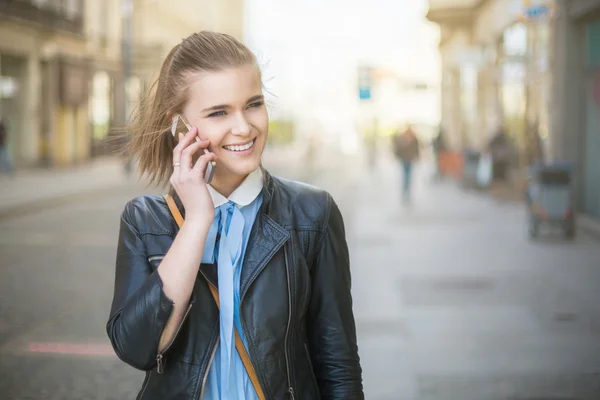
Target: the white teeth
(240, 148)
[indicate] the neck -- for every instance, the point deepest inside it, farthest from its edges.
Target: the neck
(227, 183)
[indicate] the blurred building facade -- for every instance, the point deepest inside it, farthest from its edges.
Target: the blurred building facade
(157, 26)
(43, 73)
(575, 106)
(71, 71)
(531, 67)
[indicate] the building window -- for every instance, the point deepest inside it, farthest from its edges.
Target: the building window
(40, 3)
(100, 105)
(72, 8)
(9, 86)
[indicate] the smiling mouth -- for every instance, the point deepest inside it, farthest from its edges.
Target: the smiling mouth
(241, 147)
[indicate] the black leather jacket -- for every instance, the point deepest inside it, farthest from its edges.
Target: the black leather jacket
(296, 306)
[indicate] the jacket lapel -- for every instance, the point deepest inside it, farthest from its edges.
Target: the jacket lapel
(266, 239)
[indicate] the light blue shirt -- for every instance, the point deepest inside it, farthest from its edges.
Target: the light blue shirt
(244, 203)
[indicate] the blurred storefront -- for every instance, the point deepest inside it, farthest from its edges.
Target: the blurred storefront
(72, 71)
(590, 194)
(524, 86)
(43, 70)
(495, 72)
(538, 75)
(575, 128)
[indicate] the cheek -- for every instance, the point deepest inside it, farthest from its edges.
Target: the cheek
(213, 132)
(260, 121)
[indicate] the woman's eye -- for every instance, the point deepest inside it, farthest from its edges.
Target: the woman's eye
(217, 114)
(257, 104)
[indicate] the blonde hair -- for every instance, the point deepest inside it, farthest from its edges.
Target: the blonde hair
(151, 141)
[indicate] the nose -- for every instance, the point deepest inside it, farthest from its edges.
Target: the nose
(241, 126)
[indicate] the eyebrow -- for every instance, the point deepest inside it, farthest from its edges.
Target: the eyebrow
(225, 106)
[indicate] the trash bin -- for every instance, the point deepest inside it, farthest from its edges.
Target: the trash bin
(550, 198)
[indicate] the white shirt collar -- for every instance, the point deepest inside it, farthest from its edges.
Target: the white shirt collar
(244, 194)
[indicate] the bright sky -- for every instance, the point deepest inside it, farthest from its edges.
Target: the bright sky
(310, 49)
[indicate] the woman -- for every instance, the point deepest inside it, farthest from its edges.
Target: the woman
(247, 296)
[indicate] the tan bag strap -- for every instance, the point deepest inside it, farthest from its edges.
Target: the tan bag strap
(239, 344)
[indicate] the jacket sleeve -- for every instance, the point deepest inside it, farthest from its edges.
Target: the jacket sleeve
(140, 308)
(331, 326)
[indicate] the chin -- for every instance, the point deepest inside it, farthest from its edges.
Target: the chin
(243, 169)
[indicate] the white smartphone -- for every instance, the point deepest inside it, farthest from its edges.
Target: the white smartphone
(177, 127)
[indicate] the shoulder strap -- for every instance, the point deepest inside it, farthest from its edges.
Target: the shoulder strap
(174, 210)
(239, 344)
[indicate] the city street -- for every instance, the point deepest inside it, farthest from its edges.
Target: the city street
(452, 300)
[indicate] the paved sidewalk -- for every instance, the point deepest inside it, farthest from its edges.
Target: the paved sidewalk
(36, 188)
(453, 302)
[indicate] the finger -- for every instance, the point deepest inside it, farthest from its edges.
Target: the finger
(201, 163)
(205, 142)
(188, 153)
(176, 162)
(183, 143)
(199, 143)
(189, 137)
(174, 179)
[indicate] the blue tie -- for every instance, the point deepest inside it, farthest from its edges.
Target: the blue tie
(231, 229)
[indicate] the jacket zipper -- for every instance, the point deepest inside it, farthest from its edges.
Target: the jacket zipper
(159, 356)
(155, 258)
(287, 331)
(205, 377)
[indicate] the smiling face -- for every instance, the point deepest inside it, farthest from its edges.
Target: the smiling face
(228, 109)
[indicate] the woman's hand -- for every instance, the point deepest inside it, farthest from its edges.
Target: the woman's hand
(188, 179)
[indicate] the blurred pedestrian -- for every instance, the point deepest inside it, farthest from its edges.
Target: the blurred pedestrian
(5, 163)
(502, 152)
(438, 146)
(406, 149)
(249, 295)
